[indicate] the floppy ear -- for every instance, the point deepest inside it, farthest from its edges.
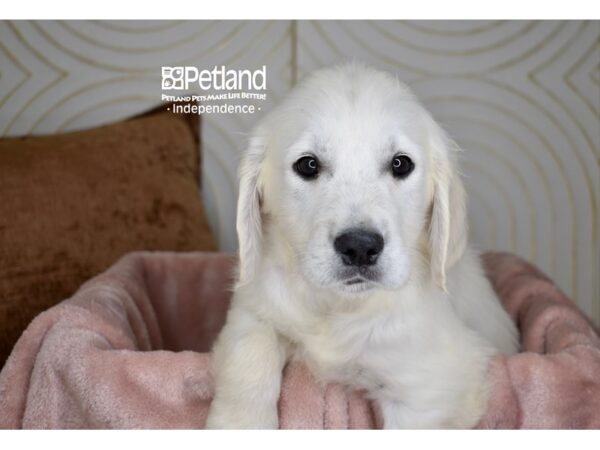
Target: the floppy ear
(249, 221)
(448, 228)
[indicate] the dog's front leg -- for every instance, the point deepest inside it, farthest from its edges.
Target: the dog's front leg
(433, 407)
(398, 415)
(248, 359)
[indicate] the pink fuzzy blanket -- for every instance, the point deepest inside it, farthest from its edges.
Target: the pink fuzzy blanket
(129, 350)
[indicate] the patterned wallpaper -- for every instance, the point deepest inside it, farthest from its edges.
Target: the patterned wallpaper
(522, 98)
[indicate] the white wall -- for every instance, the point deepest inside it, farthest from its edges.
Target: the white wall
(522, 98)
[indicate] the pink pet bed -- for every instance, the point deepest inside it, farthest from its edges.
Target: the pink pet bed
(130, 350)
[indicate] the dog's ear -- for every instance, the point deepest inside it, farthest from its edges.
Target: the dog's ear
(249, 220)
(448, 227)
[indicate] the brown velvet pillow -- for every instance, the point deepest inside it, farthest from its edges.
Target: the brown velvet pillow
(72, 204)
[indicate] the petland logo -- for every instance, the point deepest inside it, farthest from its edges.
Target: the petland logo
(217, 79)
(216, 91)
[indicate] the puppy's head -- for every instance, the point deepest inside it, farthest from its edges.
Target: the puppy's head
(348, 181)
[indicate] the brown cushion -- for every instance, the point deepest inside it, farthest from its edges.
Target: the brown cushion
(72, 204)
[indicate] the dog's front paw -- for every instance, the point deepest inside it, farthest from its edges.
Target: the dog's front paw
(221, 416)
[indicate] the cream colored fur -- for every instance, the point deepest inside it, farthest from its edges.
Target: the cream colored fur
(419, 335)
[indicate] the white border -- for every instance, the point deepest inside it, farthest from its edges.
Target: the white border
(305, 9)
(300, 440)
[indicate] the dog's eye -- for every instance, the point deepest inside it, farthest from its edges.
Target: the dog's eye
(307, 167)
(402, 166)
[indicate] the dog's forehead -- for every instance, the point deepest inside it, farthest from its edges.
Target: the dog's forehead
(349, 110)
(361, 129)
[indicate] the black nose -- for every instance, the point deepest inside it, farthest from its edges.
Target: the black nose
(359, 247)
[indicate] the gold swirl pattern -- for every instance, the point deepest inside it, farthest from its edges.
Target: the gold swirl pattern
(521, 97)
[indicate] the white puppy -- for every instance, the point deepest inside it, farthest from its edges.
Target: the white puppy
(354, 259)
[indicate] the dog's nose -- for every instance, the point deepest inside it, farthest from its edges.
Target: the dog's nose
(359, 247)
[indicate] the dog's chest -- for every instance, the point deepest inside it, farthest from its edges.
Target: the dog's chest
(337, 351)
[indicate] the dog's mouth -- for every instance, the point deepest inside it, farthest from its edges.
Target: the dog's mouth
(356, 280)
(359, 277)
(357, 285)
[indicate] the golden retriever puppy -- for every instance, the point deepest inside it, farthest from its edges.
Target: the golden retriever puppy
(354, 259)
